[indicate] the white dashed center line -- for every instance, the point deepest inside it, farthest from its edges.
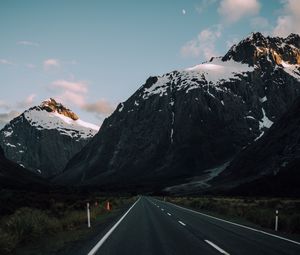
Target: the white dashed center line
(216, 247)
(183, 224)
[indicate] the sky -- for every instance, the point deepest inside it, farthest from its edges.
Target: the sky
(91, 55)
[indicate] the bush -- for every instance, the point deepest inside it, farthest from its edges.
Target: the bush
(27, 224)
(7, 242)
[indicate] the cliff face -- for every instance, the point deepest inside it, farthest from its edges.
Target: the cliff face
(271, 164)
(45, 137)
(178, 125)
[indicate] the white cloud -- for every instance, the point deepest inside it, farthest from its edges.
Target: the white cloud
(233, 10)
(51, 63)
(204, 44)
(28, 43)
(289, 21)
(5, 62)
(7, 117)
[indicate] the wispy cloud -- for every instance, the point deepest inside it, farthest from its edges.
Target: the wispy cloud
(233, 10)
(76, 93)
(70, 92)
(289, 21)
(30, 66)
(5, 62)
(7, 117)
(4, 105)
(100, 107)
(28, 43)
(204, 44)
(27, 102)
(204, 4)
(51, 63)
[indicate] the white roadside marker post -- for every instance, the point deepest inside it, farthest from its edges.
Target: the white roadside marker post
(88, 215)
(276, 220)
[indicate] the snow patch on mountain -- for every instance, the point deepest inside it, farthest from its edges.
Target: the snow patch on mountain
(42, 119)
(218, 71)
(213, 73)
(293, 70)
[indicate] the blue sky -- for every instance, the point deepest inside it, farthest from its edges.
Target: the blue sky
(91, 55)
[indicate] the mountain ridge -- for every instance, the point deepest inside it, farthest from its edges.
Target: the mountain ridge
(43, 138)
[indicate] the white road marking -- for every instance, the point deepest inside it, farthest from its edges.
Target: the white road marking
(103, 239)
(236, 224)
(183, 224)
(162, 209)
(169, 214)
(216, 247)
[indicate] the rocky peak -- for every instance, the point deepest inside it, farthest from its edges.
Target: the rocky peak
(259, 50)
(50, 105)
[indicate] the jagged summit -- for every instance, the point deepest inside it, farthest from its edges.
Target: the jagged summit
(258, 50)
(50, 105)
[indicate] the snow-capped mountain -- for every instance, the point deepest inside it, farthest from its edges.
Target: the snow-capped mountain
(181, 125)
(45, 137)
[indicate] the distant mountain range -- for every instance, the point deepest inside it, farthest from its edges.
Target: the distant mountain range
(45, 137)
(179, 131)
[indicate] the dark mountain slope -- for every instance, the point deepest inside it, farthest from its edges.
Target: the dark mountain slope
(270, 165)
(45, 137)
(184, 122)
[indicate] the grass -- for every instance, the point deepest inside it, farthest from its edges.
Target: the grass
(260, 211)
(62, 214)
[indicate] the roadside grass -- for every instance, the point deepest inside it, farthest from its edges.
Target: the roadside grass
(260, 211)
(29, 224)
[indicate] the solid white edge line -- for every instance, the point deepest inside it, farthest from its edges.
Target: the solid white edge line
(183, 224)
(216, 247)
(103, 239)
(239, 225)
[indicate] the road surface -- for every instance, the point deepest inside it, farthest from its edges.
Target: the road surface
(155, 227)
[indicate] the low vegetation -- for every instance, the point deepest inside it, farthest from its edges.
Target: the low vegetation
(57, 214)
(258, 211)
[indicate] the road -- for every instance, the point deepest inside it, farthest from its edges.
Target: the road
(155, 227)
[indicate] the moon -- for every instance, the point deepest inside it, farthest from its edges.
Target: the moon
(183, 11)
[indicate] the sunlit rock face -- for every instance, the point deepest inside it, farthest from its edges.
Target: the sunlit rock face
(179, 125)
(43, 138)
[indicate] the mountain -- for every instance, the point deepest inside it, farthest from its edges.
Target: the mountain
(185, 124)
(45, 137)
(14, 176)
(271, 164)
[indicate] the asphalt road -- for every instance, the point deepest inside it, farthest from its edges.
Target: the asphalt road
(154, 227)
